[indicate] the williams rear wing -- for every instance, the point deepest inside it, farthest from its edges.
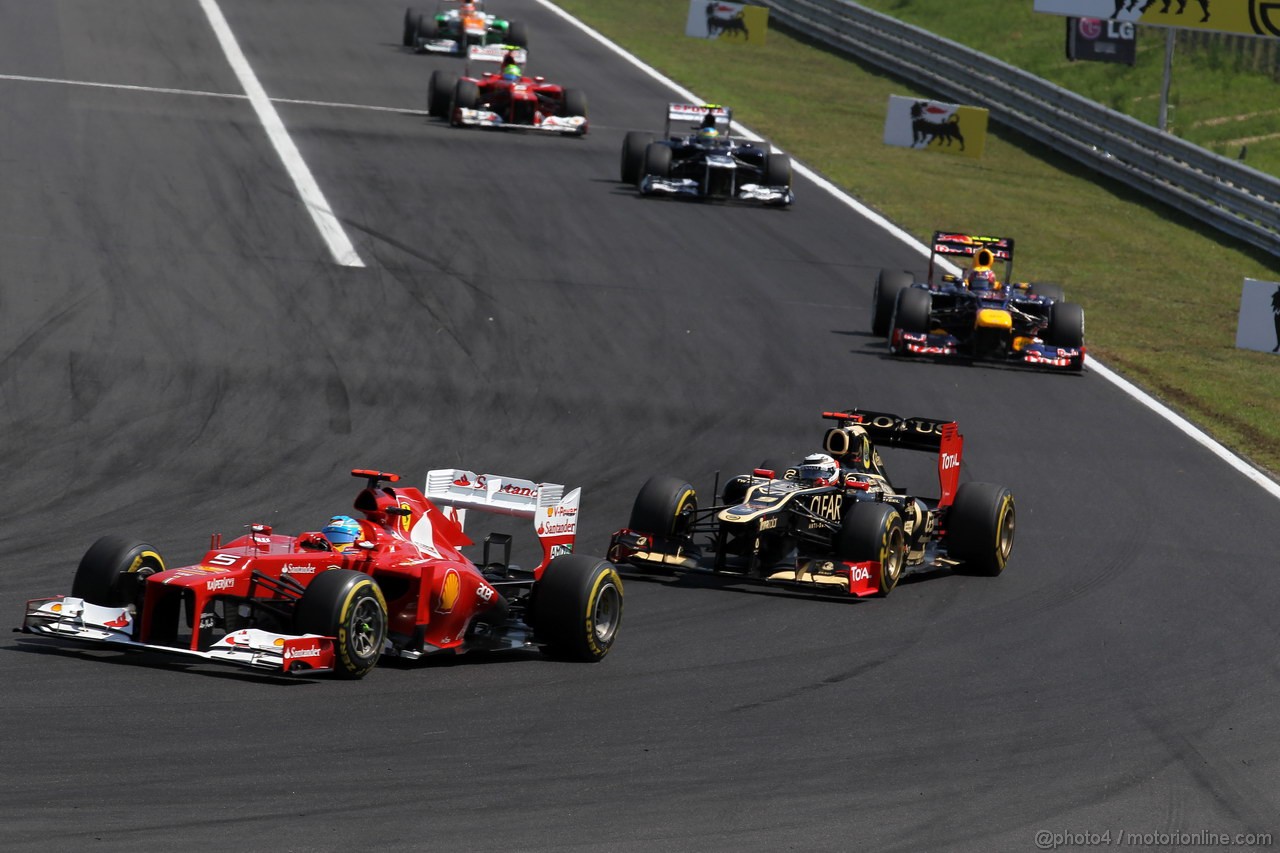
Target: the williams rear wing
(554, 511)
(926, 434)
(695, 113)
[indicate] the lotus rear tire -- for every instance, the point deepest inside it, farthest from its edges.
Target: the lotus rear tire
(980, 528)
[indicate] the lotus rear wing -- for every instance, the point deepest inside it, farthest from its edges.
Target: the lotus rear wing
(925, 434)
(952, 244)
(554, 511)
(697, 113)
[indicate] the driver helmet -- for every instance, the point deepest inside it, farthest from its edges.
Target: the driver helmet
(511, 72)
(708, 133)
(983, 280)
(818, 469)
(342, 531)
(467, 9)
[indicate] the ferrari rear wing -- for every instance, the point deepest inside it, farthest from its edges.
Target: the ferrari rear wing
(554, 511)
(926, 434)
(497, 53)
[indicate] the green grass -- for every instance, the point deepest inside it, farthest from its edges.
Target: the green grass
(1161, 291)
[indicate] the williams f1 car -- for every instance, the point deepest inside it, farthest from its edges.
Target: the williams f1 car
(831, 521)
(402, 586)
(707, 163)
(506, 100)
(458, 26)
(978, 315)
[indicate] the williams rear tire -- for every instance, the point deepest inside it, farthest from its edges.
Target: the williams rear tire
(578, 608)
(348, 606)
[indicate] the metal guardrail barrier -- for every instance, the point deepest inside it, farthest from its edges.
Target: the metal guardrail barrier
(1232, 197)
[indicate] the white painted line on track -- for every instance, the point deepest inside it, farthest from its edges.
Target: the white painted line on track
(1191, 430)
(340, 246)
(161, 90)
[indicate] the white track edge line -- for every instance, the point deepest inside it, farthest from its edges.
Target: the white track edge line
(1185, 426)
(340, 246)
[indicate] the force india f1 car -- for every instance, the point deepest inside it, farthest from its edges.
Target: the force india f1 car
(833, 521)
(978, 315)
(456, 27)
(501, 101)
(708, 163)
(297, 604)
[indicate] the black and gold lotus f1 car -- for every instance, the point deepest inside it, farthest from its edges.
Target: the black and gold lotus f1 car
(832, 520)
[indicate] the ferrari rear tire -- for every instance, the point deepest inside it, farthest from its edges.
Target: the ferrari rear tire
(666, 507)
(111, 573)
(777, 169)
(440, 93)
(657, 160)
(1048, 290)
(517, 34)
(349, 606)
(633, 149)
(889, 283)
(980, 528)
(575, 102)
(578, 607)
(873, 531)
(1066, 325)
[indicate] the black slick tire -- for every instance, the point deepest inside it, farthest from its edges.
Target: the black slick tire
(777, 169)
(111, 573)
(578, 608)
(440, 93)
(889, 283)
(633, 148)
(980, 528)
(657, 160)
(873, 531)
(348, 606)
(1066, 325)
(665, 507)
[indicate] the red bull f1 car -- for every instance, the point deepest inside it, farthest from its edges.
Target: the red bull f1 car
(403, 587)
(506, 100)
(458, 26)
(978, 315)
(832, 521)
(708, 163)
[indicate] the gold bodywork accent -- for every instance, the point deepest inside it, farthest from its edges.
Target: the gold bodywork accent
(994, 318)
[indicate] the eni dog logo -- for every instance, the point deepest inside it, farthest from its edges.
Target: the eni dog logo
(449, 590)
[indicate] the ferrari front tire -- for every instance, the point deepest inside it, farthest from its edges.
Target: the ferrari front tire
(112, 571)
(466, 94)
(980, 527)
(440, 93)
(578, 607)
(575, 103)
(873, 531)
(348, 606)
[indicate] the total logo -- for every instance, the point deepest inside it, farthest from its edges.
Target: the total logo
(950, 460)
(220, 583)
(860, 574)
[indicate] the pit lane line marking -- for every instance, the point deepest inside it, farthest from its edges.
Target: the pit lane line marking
(344, 253)
(1182, 424)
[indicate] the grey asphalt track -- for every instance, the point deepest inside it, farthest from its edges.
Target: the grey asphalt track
(181, 356)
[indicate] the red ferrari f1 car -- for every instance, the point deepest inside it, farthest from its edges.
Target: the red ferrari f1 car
(507, 99)
(403, 587)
